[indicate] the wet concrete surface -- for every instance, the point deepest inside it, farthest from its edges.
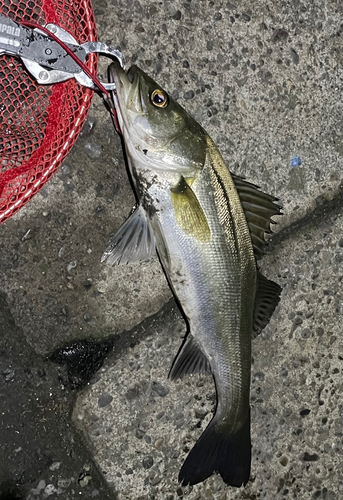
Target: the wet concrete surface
(265, 80)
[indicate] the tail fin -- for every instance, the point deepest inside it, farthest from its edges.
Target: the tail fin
(218, 450)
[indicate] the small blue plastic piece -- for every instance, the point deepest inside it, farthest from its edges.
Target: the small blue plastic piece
(295, 161)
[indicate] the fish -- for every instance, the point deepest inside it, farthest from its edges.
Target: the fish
(208, 227)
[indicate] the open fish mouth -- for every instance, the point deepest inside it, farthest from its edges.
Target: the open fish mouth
(117, 75)
(127, 97)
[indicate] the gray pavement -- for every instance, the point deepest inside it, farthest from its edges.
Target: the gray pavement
(265, 80)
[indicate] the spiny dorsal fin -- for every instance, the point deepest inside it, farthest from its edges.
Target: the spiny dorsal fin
(258, 207)
(188, 212)
(190, 359)
(133, 241)
(266, 299)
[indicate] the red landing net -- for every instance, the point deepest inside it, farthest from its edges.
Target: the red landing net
(39, 124)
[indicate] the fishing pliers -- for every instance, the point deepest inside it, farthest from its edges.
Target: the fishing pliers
(51, 54)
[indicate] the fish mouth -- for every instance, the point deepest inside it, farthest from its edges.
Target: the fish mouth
(116, 74)
(127, 96)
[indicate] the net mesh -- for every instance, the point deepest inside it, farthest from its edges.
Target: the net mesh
(39, 124)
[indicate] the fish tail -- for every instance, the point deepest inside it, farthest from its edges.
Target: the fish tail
(219, 450)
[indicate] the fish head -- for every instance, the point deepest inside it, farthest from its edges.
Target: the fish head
(158, 133)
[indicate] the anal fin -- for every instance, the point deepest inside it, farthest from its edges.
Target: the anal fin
(190, 359)
(266, 299)
(134, 240)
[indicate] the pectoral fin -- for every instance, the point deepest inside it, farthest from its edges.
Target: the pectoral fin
(134, 241)
(188, 212)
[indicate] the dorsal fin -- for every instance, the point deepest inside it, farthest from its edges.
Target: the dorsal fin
(258, 207)
(190, 359)
(266, 299)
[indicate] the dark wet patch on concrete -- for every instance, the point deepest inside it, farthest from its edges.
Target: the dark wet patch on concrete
(83, 358)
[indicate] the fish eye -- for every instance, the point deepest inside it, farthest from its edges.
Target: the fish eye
(159, 98)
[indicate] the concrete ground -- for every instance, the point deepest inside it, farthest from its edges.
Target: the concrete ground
(265, 80)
